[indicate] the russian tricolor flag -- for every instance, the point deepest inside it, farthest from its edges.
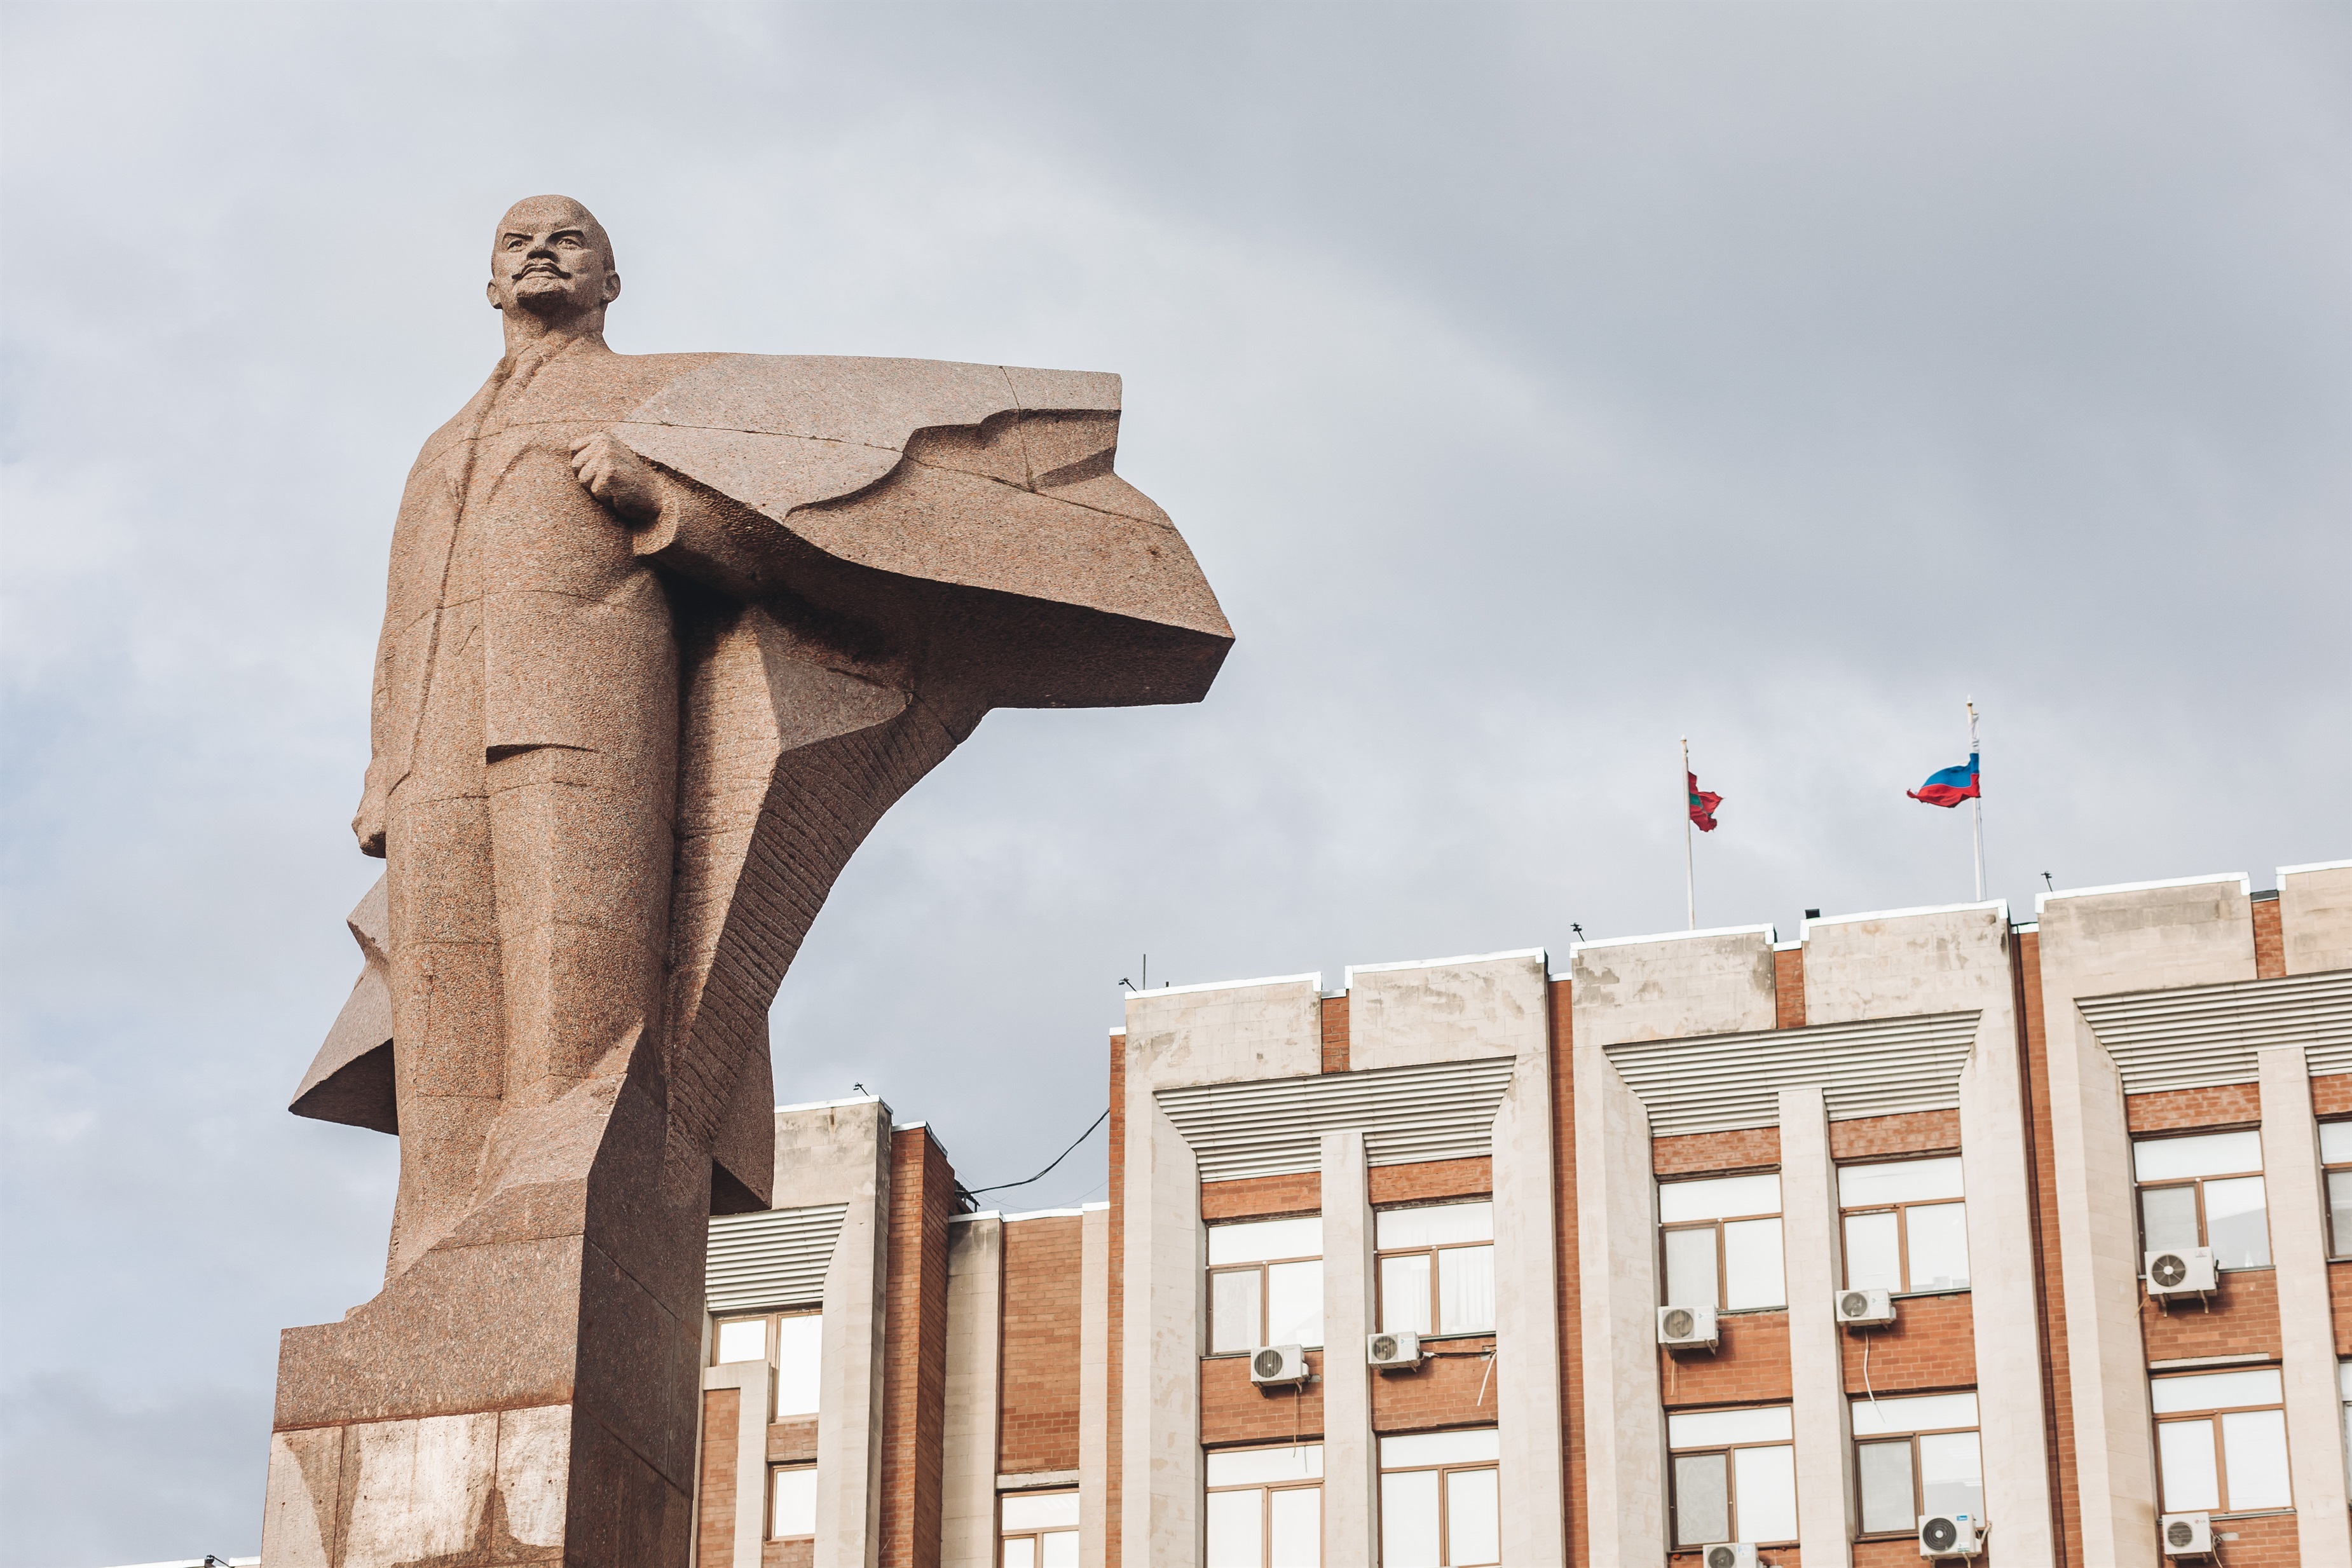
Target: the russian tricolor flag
(1950, 785)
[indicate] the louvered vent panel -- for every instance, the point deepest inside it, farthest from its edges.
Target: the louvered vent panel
(1274, 1127)
(2202, 1036)
(1880, 1067)
(773, 1259)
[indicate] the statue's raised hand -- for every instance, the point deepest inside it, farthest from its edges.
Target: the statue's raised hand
(616, 477)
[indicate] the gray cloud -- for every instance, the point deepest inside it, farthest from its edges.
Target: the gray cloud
(1536, 385)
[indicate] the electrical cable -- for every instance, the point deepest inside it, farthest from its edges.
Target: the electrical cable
(1041, 1176)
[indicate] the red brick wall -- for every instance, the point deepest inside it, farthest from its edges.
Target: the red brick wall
(1886, 1138)
(1450, 1390)
(914, 1350)
(1236, 1410)
(2266, 1541)
(2057, 1386)
(1571, 1321)
(791, 1440)
(2332, 1095)
(1037, 1426)
(1789, 988)
(1430, 1180)
(715, 1503)
(1117, 1240)
(2183, 1110)
(1752, 1363)
(1257, 1198)
(800, 1554)
(1931, 1344)
(2270, 941)
(1335, 1034)
(1749, 1149)
(2240, 1319)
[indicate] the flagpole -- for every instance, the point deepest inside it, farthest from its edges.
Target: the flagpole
(1976, 802)
(1690, 890)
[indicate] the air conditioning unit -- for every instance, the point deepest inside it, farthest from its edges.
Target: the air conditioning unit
(1686, 1328)
(2187, 1534)
(2179, 1271)
(1729, 1554)
(1278, 1367)
(1950, 1535)
(1858, 1309)
(1392, 1352)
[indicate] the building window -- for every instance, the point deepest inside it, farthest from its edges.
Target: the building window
(1721, 1243)
(799, 1358)
(2344, 1391)
(2204, 1191)
(1441, 1500)
(791, 1501)
(1915, 1456)
(1265, 1285)
(2335, 1154)
(2221, 1441)
(1436, 1269)
(1735, 1476)
(1038, 1529)
(1265, 1509)
(1906, 1230)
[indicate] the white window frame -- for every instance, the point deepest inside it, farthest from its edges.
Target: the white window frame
(1918, 1488)
(1439, 1328)
(1674, 1541)
(1902, 1209)
(1443, 1470)
(2339, 1242)
(1265, 1290)
(2213, 1415)
(1722, 1270)
(800, 1466)
(1266, 1489)
(2140, 1190)
(1031, 1533)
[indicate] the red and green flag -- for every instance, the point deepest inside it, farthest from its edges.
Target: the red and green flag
(1703, 803)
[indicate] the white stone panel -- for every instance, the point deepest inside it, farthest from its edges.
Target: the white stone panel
(1350, 1462)
(1224, 1034)
(1809, 1206)
(974, 1362)
(1447, 1009)
(1672, 986)
(2295, 1193)
(2316, 916)
(1094, 1385)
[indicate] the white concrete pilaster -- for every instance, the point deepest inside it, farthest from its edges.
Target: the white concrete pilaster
(2098, 942)
(1625, 1423)
(2294, 1187)
(755, 1384)
(1351, 1459)
(1809, 1210)
(974, 1374)
(849, 1393)
(2316, 916)
(1094, 1385)
(1159, 1447)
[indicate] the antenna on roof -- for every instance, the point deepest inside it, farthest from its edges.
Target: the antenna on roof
(2047, 883)
(1131, 986)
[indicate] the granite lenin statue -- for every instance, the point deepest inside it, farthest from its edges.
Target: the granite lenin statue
(664, 636)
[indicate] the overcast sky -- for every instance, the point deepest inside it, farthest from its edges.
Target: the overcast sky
(1536, 387)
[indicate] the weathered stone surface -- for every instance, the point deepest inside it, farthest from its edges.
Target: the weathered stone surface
(665, 636)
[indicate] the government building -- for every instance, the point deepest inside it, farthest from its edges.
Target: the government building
(1931, 1234)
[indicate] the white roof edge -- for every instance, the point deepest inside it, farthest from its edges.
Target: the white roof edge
(1091, 1208)
(1796, 946)
(1120, 1032)
(2287, 871)
(2000, 903)
(1044, 1214)
(1771, 934)
(2041, 899)
(1352, 970)
(2027, 925)
(1316, 979)
(832, 1104)
(975, 1214)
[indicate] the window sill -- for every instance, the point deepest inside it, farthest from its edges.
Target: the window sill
(1245, 1354)
(1916, 1295)
(1458, 1334)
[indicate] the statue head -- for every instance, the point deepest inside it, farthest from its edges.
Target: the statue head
(550, 257)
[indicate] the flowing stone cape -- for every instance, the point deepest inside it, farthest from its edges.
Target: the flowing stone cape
(884, 533)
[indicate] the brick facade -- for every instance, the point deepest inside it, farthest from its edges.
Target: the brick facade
(1932, 1347)
(1037, 1421)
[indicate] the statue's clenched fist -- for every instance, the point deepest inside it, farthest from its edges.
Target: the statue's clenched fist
(616, 477)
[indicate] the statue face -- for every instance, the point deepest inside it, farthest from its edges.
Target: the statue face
(549, 258)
